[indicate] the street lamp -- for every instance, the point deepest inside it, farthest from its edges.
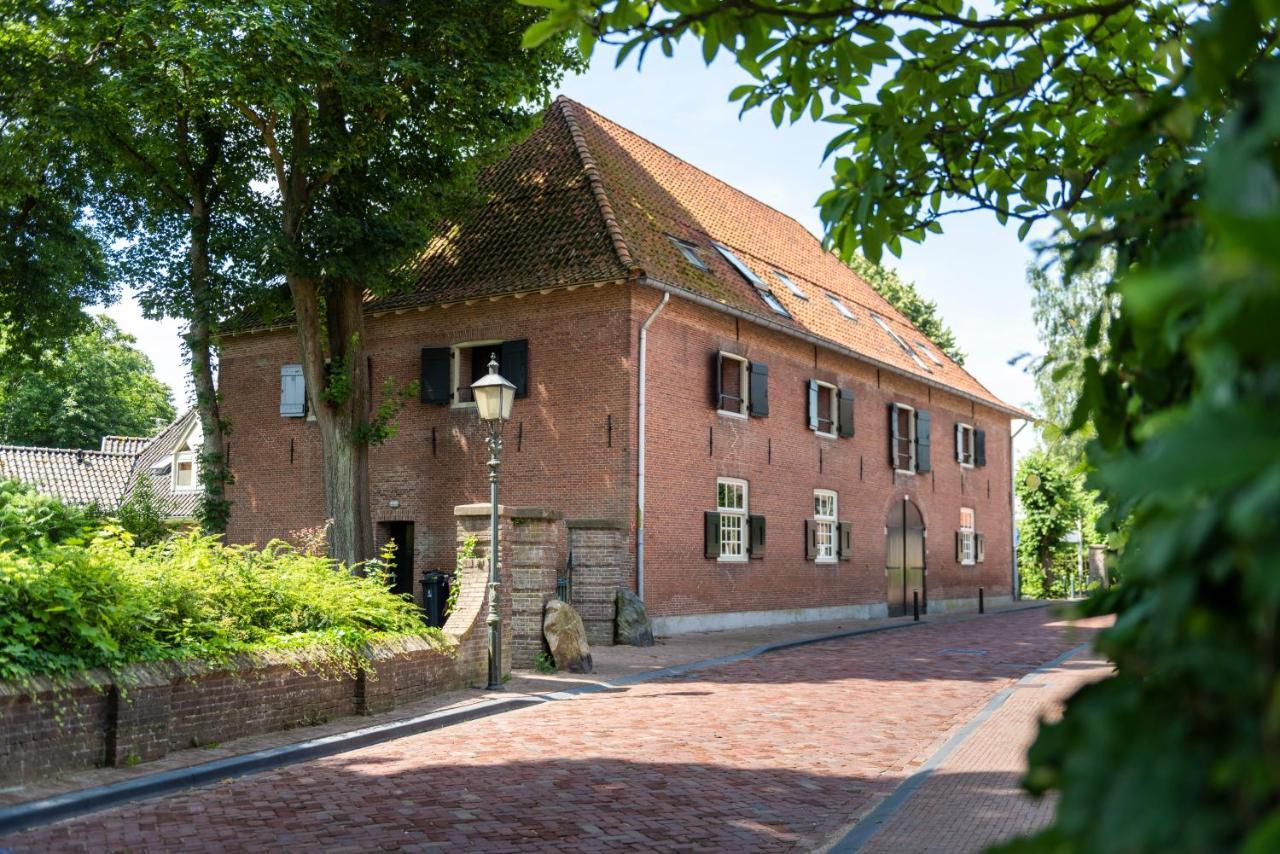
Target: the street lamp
(494, 395)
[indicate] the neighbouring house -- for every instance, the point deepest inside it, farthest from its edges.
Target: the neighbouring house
(104, 478)
(773, 440)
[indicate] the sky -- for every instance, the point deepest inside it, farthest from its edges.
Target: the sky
(975, 270)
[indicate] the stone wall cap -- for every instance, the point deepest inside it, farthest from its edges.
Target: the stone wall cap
(508, 512)
(601, 524)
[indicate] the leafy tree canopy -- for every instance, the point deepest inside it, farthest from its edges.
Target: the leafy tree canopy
(96, 384)
(1053, 502)
(906, 298)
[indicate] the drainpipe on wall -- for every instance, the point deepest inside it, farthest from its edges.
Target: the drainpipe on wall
(1013, 521)
(644, 338)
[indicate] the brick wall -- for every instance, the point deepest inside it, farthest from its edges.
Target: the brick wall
(599, 549)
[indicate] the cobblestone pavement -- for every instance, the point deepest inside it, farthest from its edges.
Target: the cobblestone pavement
(973, 799)
(779, 752)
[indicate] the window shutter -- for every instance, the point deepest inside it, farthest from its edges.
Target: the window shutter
(922, 441)
(755, 545)
(717, 370)
(959, 546)
(810, 540)
(293, 392)
(758, 396)
(959, 443)
(435, 380)
(846, 412)
(846, 541)
(514, 357)
(980, 547)
(711, 533)
(893, 435)
(979, 447)
(813, 405)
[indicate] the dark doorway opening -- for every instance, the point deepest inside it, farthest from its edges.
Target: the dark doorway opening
(401, 533)
(904, 559)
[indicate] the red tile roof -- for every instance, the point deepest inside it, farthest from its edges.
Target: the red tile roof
(584, 200)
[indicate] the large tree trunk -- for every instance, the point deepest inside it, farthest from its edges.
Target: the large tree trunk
(215, 474)
(339, 397)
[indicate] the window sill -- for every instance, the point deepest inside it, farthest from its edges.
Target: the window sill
(904, 471)
(727, 414)
(826, 561)
(965, 465)
(824, 435)
(723, 559)
(968, 563)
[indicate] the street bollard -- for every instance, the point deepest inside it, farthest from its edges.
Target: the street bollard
(981, 607)
(915, 605)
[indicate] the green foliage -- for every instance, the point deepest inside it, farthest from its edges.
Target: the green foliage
(904, 296)
(96, 384)
(544, 663)
(74, 595)
(1149, 133)
(144, 515)
(1053, 503)
(465, 554)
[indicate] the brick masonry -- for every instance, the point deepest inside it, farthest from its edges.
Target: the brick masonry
(598, 549)
(571, 447)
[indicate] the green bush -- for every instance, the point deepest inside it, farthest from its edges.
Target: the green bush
(144, 514)
(74, 597)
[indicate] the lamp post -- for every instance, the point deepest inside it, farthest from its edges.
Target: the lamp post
(493, 396)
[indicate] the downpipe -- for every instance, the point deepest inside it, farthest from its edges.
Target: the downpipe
(640, 417)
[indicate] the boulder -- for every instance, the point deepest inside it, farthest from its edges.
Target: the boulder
(567, 637)
(631, 625)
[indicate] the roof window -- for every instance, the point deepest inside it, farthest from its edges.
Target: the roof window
(739, 265)
(791, 286)
(906, 348)
(924, 348)
(842, 308)
(689, 251)
(772, 301)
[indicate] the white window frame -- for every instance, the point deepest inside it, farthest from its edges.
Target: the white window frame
(790, 284)
(911, 440)
(180, 457)
(455, 370)
(771, 300)
(738, 520)
(966, 445)
(901, 342)
(740, 265)
(744, 380)
(968, 544)
(844, 310)
(689, 251)
(834, 412)
(826, 527)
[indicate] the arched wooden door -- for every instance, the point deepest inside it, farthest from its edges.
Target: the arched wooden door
(904, 558)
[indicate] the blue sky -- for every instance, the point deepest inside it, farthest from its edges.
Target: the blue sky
(975, 270)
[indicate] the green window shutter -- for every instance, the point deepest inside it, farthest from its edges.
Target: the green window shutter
(435, 379)
(846, 412)
(755, 546)
(893, 435)
(717, 369)
(758, 396)
(813, 405)
(513, 358)
(922, 441)
(810, 540)
(979, 547)
(711, 534)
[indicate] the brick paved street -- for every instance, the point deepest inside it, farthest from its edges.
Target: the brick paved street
(780, 752)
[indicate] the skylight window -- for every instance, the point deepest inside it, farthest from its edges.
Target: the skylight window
(924, 348)
(689, 251)
(906, 348)
(791, 286)
(842, 308)
(739, 265)
(772, 301)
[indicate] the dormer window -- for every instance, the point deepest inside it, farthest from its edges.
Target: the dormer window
(185, 470)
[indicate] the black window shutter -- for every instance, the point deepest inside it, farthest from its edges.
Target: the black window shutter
(959, 546)
(435, 375)
(755, 545)
(810, 540)
(711, 533)
(514, 358)
(979, 447)
(846, 412)
(846, 541)
(893, 435)
(716, 372)
(813, 405)
(980, 547)
(758, 397)
(922, 441)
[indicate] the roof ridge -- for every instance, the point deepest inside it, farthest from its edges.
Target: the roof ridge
(96, 451)
(597, 183)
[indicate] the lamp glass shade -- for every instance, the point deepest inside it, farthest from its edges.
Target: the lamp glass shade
(494, 395)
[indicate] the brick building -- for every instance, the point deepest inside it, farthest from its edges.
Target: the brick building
(773, 439)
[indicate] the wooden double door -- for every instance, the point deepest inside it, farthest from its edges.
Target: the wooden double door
(904, 559)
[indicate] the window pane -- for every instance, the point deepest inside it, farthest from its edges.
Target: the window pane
(730, 384)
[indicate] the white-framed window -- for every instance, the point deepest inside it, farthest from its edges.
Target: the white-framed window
(966, 545)
(470, 363)
(734, 387)
(965, 445)
(731, 504)
(773, 303)
(933, 357)
(826, 528)
(904, 450)
(689, 251)
(790, 285)
(827, 410)
(185, 470)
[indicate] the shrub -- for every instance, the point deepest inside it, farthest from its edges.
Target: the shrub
(144, 514)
